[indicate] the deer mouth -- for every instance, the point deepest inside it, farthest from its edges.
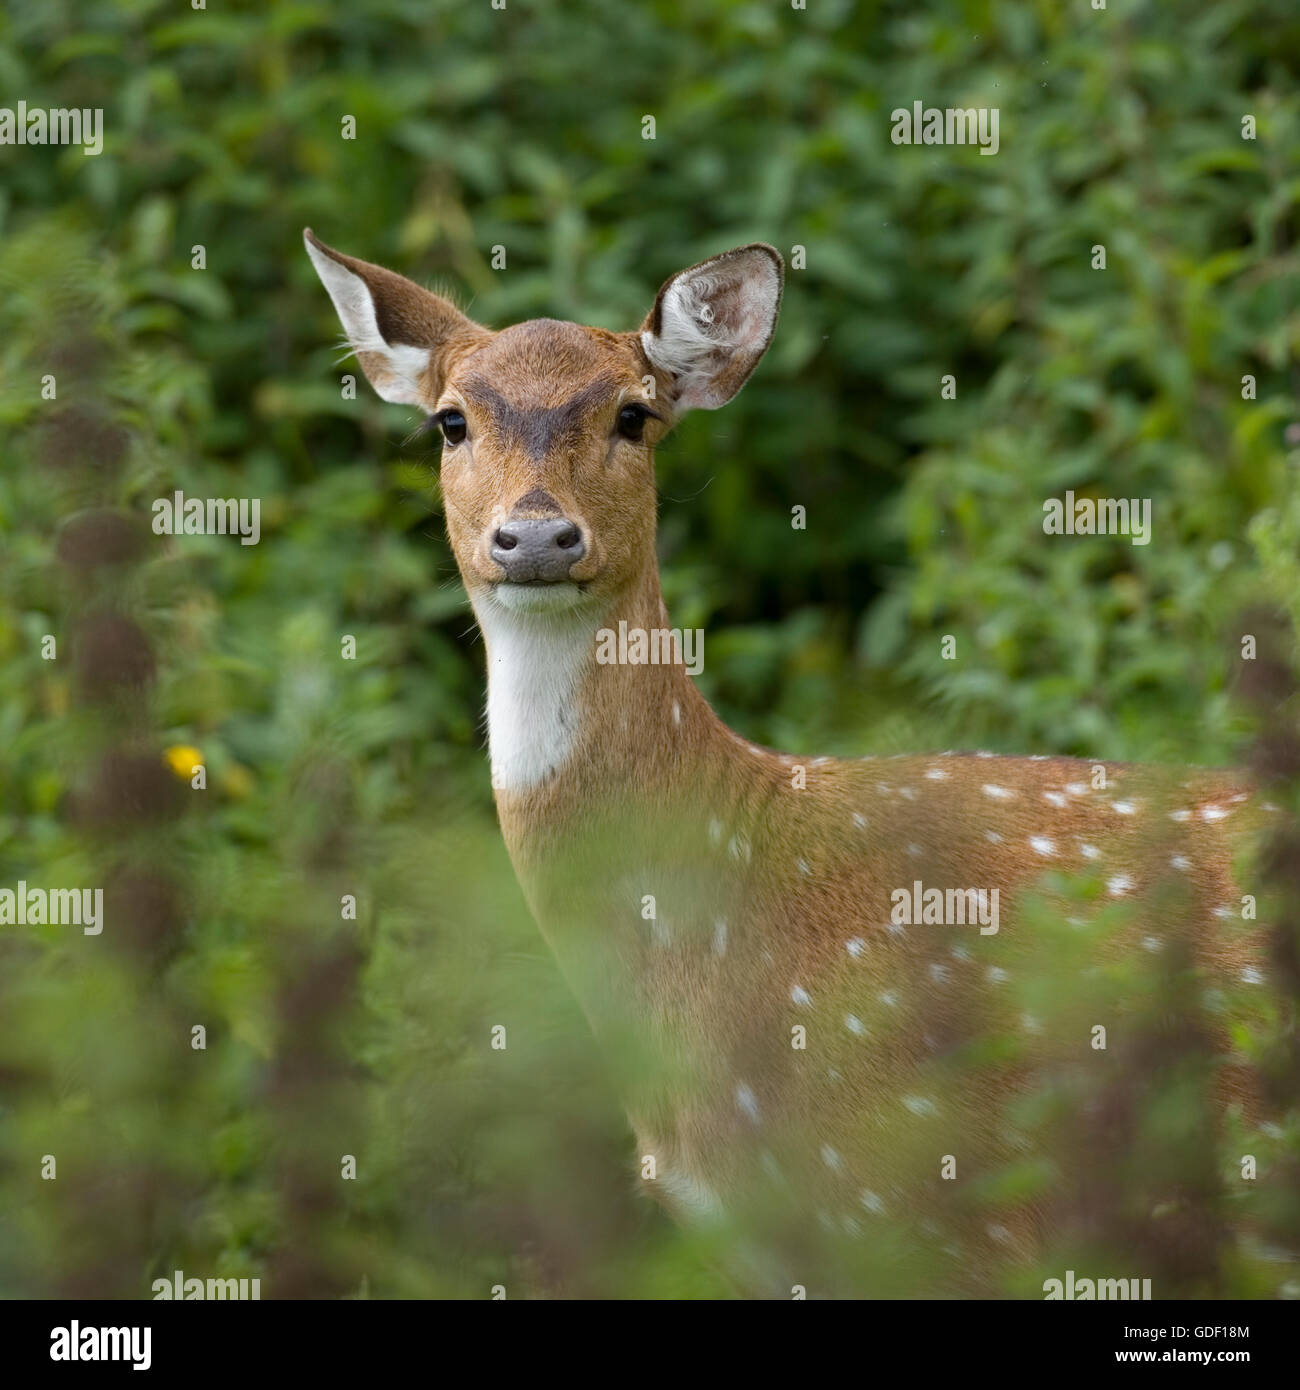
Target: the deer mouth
(539, 595)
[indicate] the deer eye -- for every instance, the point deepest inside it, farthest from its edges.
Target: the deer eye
(631, 421)
(452, 425)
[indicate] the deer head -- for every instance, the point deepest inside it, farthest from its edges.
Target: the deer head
(549, 428)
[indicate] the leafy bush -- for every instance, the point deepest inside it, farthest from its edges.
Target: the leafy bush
(522, 128)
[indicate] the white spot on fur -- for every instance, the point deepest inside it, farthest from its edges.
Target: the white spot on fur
(859, 820)
(1181, 861)
(1118, 885)
(1124, 808)
(997, 793)
(920, 1105)
(1089, 851)
(993, 837)
(800, 996)
(696, 1199)
(747, 1101)
(1213, 813)
(720, 937)
(677, 713)
(872, 1202)
(1055, 798)
(855, 1025)
(1180, 815)
(855, 946)
(1040, 844)
(831, 1159)
(936, 774)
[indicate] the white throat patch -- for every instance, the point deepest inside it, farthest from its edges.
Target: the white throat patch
(535, 663)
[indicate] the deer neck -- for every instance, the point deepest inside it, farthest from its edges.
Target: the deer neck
(574, 717)
(616, 787)
(607, 777)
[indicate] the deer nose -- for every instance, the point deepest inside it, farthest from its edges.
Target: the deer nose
(542, 550)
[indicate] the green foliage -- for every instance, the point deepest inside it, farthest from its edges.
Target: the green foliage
(523, 128)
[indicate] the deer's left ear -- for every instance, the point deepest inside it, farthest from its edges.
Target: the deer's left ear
(711, 324)
(404, 336)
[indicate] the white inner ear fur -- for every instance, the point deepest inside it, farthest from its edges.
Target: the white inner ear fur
(697, 338)
(403, 364)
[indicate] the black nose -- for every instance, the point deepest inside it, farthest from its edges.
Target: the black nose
(537, 550)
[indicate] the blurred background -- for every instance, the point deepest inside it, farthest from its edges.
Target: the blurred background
(329, 779)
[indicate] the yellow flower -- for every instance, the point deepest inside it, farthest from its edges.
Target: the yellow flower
(182, 759)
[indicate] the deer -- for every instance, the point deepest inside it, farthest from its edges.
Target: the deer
(753, 935)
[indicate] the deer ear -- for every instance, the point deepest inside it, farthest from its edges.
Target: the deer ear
(404, 337)
(711, 324)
